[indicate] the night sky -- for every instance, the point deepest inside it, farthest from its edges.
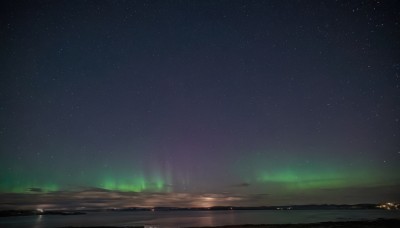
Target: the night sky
(199, 103)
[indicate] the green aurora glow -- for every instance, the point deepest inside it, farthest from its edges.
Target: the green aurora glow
(134, 184)
(290, 175)
(118, 181)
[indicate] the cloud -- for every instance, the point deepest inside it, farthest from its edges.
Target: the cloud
(96, 198)
(241, 185)
(101, 198)
(35, 190)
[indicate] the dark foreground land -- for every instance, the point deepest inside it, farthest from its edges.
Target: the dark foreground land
(380, 223)
(359, 224)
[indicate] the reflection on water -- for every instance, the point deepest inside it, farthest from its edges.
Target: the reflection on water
(38, 222)
(194, 218)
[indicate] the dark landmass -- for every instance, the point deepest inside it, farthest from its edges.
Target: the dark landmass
(288, 207)
(103, 226)
(35, 212)
(379, 223)
(216, 208)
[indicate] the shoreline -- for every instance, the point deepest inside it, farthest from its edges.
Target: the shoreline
(380, 223)
(359, 224)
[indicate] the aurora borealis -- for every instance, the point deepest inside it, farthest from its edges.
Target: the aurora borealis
(198, 103)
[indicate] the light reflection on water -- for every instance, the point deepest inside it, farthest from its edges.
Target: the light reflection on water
(38, 222)
(194, 218)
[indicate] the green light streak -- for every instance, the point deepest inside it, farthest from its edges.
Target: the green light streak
(305, 180)
(137, 184)
(28, 187)
(134, 183)
(26, 181)
(39, 181)
(287, 173)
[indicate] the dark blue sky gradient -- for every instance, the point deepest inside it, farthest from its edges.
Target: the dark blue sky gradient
(199, 97)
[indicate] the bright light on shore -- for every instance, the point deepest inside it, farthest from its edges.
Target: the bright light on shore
(389, 206)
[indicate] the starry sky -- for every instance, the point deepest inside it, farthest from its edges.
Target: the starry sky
(199, 103)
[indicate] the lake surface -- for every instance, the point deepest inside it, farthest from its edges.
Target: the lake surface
(194, 218)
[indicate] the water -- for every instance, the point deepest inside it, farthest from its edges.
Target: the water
(194, 218)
